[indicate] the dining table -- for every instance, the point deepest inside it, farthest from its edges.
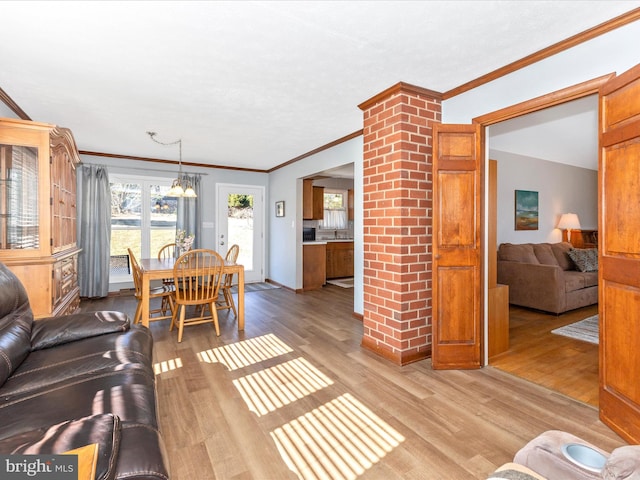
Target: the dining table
(158, 269)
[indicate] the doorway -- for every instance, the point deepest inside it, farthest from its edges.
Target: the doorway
(240, 221)
(530, 323)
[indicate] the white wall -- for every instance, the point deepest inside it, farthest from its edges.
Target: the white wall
(605, 54)
(286, 232)
(561, 189)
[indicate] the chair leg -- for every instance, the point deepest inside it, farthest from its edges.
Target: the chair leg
(183, 312)
(214, 316)
(138, 315)
(230, 302)
(174, 316)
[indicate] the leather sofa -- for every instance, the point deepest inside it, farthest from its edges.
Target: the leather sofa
(544, 277)
(75, 380)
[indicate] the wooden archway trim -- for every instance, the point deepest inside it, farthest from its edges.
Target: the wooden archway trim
(584, 89)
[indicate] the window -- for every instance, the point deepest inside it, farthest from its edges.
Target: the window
(143, 230)
(335, 210)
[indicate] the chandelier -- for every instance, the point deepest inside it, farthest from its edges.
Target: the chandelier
(179, 188)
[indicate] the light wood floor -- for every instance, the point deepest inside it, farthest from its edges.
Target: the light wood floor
(560, 363)
(295, 392)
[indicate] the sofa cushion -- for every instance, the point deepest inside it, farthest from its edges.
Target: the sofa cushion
(544, 254)
(522, 253)
(573, 281)
(53, 331)
(585, 259)
(102, 429)
(69, 362)
(16, 319)
(561, 251)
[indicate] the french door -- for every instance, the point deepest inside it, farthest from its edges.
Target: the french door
(457, 302)
(619, 254)
(240, 220)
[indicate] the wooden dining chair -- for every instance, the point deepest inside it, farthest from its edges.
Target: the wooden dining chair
(227, 302)
(165, 292)
(167, 251)
(197, 275)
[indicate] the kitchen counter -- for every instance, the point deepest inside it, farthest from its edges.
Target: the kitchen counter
(332, 240)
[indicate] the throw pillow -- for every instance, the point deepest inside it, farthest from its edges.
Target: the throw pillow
(586, 259)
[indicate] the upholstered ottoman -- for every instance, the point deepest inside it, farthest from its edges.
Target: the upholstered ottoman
(545, 456)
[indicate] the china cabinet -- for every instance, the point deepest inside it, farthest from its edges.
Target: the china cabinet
(38, 213)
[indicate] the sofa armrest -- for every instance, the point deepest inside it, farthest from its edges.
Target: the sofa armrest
(52, 331)
(623, 463)
(533, 285)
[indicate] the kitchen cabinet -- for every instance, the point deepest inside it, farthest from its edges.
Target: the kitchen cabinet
(312, 201)
(339, 259)
(350, 204)
(38, 213)
(314, 266)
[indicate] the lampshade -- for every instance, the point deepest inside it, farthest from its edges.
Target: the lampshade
(569, 221)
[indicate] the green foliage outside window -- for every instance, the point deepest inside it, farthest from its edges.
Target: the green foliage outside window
(240, 201)
(333, 201)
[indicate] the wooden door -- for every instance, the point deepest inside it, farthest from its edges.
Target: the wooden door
(619, 249)
(457, 247)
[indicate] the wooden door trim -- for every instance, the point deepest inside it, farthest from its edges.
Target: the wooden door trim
(558, 97)
(574, 92)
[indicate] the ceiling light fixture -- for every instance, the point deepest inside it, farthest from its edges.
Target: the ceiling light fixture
(178, 188)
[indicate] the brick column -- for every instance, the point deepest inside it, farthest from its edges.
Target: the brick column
(397, 221)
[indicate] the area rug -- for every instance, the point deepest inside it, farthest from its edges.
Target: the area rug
(585, 330)
(342, 282)
(255, 287)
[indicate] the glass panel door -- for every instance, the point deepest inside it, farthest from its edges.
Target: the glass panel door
(241, 222)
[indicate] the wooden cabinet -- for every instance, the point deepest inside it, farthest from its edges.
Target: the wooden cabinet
(313, 266)
(584, 238)
(350, 204)
(498, 319)
(38, 213)
(339, 259)
(312, 201)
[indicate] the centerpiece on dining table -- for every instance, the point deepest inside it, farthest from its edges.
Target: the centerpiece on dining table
(184, 242)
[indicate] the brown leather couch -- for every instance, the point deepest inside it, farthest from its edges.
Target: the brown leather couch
(69, 381)
(543, 276)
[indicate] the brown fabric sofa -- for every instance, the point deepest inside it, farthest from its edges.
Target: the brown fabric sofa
(543, 276)
(74, 380)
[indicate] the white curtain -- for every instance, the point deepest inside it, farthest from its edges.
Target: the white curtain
(334, 219)
(93, 230)
(189, 215)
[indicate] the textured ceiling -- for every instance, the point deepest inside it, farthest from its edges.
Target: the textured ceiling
(255, 84)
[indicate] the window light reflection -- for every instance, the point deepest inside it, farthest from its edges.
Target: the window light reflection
(275, 387)
(167, 365)
(247, 352)
(339, 440)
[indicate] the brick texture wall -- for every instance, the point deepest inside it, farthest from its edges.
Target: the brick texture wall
(397, 221)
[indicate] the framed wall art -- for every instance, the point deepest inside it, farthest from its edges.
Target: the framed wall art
(526, 210)
(280, 208)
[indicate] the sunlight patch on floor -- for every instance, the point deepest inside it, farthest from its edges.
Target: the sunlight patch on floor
(272, 388)
(339, 440)
(167, 365)
(247, 352)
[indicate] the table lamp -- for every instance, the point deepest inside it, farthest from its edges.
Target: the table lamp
(568, 222)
